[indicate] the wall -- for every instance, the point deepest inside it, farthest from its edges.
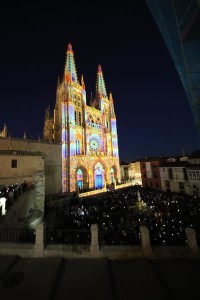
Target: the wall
(52, 162)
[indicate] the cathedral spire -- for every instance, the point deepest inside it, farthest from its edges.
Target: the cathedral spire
(100, 84)
(70, 68)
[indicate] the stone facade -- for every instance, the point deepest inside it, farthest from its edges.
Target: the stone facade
(32, 157)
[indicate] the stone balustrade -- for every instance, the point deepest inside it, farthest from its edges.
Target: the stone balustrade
(41, 249)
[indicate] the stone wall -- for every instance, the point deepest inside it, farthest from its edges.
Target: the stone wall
(27, 166)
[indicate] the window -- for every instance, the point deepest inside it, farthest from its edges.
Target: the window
(79, 116)
(185, 174)
(170, 173)
(75, 117)
(167, 183)
(14, 163)
(77, 147)
(157, 185)
(181, 186)
(155, 174)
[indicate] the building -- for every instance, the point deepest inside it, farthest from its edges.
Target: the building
(29, 156)
(173, 174)
(88, 134)
(193, 172)
(179, 24)
(150, 172)
(24, 167)
(130, 171)
(124, 169)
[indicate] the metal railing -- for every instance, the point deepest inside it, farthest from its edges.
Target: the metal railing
(69, 237)
(17, 235)
(118, 238)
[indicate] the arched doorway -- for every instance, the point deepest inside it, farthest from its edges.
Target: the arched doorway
(98, 176)
(80, 179)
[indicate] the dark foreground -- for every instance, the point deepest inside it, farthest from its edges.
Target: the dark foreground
(59, 278)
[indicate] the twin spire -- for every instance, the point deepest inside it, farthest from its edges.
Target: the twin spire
(70, 68)
(100, 84)
(71, 74)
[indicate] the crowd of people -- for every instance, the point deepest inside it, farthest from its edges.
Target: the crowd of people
(119, 215)
(12, 192)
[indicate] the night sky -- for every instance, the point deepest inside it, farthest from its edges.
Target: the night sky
(153, 113)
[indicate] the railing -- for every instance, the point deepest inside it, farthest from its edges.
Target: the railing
(197, 231)
(93, 192)
(69, 237)
(123, 185)
(168, 239)
(17, 235)
(118, 238)
(91, 239)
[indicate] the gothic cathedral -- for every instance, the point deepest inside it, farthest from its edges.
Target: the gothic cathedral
(88, 134)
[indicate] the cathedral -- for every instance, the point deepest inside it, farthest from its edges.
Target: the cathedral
(87, 133)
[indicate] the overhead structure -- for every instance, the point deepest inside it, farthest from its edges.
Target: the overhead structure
(179, 24)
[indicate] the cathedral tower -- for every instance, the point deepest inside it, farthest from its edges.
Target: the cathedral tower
(88, 134)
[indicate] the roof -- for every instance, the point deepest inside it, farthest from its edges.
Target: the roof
(98, 278)
(194, 166)
(158, 158)
(124, 163)
(174, 164)
(195, 154)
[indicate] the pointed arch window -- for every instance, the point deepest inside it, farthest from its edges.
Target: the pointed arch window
(80, 178)
(98, 176)
(75, 116)
(78, 100)
(79, 116)
(78, 151)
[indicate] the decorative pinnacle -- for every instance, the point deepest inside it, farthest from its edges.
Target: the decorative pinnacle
(69, 48)
(99, 69)
(82, 82)
(110, 96)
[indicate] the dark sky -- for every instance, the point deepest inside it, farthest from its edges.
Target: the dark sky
(153, 113)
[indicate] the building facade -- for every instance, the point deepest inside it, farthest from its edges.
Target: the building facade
(150, 172)
(88, 134)
(27, 162)
(174, 177)
(130, 171)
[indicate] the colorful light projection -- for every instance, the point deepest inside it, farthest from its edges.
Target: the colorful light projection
(80, 179)
(112, 175)
(95, 143)
(64, 148)
(98, 176)
(70, 68)
(78, 147)
(86, 134)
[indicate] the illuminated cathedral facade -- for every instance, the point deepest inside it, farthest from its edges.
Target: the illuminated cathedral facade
(88, 134)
